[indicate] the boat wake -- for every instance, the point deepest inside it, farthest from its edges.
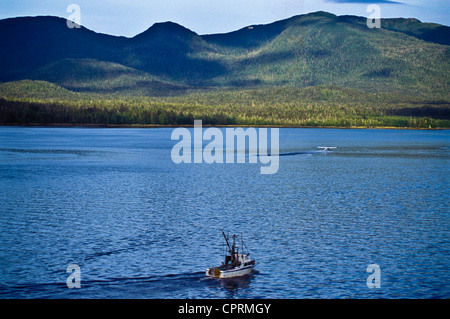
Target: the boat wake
(149, 287)
(299, 153)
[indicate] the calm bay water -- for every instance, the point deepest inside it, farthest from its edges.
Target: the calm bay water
(140, 226)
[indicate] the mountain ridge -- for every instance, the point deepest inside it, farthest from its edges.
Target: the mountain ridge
(319, 48)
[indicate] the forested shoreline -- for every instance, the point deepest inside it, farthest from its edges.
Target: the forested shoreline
(312, 107)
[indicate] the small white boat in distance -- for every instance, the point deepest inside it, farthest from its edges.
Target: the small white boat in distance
(236, 263)
(327, 148)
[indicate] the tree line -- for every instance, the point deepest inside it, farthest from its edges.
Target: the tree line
(315, 106)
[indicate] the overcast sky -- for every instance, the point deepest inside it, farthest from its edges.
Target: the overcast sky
(130, 17)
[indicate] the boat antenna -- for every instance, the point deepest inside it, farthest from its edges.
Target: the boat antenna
(244, 246)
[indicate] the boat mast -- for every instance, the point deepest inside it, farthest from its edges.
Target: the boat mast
(226, 241)
(231, 249)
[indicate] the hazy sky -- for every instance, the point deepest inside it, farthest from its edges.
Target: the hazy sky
(130, 17)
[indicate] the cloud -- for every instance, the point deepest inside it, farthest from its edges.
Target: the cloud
(365, 1)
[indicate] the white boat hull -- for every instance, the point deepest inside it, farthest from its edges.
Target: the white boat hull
(229, 273)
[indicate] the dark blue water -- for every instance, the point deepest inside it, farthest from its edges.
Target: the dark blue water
(139, 226)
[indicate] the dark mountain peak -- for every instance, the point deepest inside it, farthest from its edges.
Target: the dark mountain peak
(39, 24)
(31, 42)
(320, 14)
(45, 26)
(255, 35)
(248, 37)
(31, 21)
(431, 32)
(165, 29)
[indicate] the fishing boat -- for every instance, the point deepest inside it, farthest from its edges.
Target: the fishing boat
(237, 263)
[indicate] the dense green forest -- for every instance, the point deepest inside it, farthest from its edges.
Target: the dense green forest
(326, 106)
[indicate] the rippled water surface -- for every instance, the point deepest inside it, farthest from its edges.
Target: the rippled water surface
(139, 226)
